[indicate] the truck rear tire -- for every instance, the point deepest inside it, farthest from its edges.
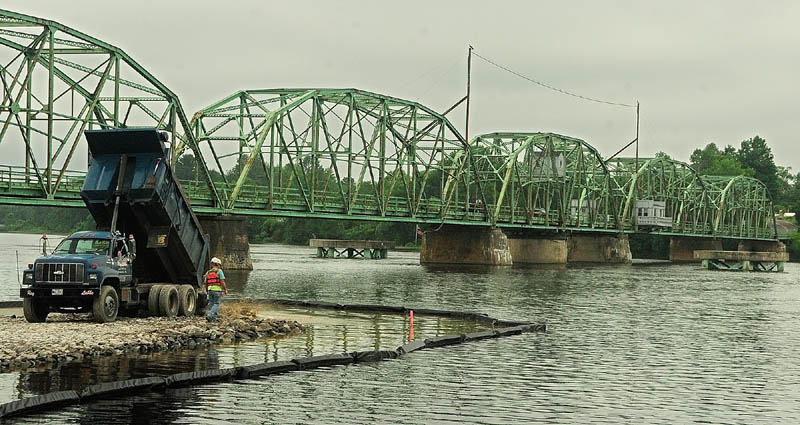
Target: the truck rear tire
(202, 302)
(168, 301)
(152, 299)
(35, 311)
(105, 306)
(187, 300)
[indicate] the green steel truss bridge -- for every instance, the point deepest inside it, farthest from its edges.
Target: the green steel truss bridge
(336, 153)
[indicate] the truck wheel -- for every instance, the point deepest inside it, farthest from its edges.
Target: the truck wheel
(187, 300)
(152, 299)
(35, 310)
(168, 301)
(202, 302)
(106, 305)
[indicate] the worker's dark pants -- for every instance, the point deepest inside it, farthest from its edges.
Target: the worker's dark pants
(213, 304)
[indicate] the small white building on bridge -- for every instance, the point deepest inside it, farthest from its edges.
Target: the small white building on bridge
(648, 212)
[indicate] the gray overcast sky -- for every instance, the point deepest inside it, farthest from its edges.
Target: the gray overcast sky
(718, 71)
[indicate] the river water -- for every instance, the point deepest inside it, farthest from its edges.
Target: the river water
(647, 343)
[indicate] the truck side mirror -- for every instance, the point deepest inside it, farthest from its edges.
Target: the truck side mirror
(43, 240)
(132, 247)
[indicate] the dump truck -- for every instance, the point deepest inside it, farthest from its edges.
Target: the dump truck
(148, 252)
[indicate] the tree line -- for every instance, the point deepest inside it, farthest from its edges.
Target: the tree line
(753, 158)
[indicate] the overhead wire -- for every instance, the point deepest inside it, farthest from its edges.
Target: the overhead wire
(439, 78)
(549, 87)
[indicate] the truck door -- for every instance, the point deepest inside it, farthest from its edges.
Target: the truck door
(121, 261)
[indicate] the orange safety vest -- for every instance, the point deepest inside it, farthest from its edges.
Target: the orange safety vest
(213, 281)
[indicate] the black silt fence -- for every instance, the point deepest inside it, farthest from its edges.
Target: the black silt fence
(131, 387)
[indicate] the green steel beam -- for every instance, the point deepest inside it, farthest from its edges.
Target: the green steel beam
(59, 63)
(344, 149)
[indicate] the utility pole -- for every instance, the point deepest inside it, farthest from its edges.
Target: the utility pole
(469, 76)
(637, 136)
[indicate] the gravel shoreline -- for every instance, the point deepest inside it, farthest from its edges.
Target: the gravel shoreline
(66, 338)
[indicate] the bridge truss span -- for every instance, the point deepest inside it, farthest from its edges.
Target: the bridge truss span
(695, 205)
(56, 82)
(662, 179)
(541, 179)
(741, 207)
(344, 152)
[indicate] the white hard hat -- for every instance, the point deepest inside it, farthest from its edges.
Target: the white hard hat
(216, 260)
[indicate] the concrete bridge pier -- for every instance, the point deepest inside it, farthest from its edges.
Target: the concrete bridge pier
(583, 248)
(479, 245)
(681, 248)
(229, 242)
(538, 249)
(465, 245)
(761, 246)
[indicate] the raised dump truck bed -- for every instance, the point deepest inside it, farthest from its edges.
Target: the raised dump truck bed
(152, 206)
(129, 190)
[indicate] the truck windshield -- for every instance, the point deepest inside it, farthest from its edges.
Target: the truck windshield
(83, 246)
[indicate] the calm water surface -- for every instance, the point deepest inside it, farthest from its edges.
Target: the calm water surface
(633, 344)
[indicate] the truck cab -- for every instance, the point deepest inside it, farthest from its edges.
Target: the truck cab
(69, 279)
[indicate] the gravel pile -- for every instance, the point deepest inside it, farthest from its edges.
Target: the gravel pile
(65, 338)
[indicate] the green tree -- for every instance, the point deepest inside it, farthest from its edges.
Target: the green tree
(728, 166)
(756, 154)
(712, 161)
(791, 197)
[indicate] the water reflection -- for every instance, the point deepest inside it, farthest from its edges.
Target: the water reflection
(656, 343)
(328, 332)
(236, 280)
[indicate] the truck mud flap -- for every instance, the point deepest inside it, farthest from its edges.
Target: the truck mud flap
(38, 403)
(374, 356)
(410, 347)
(262, 369)
(306, 363)
(126, 387)
(441, 341)
(200, 377)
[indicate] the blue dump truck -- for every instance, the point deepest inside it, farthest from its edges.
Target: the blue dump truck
(148, 253)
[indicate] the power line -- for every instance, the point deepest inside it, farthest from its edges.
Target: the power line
(439, 78)
(547, 86)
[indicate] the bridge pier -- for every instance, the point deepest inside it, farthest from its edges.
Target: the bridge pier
(538, 250)
(229, 242)
(599, 249)
(681, 248)
(766, 247)
(478, 245)
(761, 246)
(465, 245)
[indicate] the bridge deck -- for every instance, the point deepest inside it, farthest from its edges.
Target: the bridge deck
(356, 244)
(759, 256)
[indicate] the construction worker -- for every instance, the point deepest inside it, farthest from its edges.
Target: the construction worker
(215, 287)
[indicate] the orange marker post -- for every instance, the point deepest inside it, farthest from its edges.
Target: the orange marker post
(411, 329)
